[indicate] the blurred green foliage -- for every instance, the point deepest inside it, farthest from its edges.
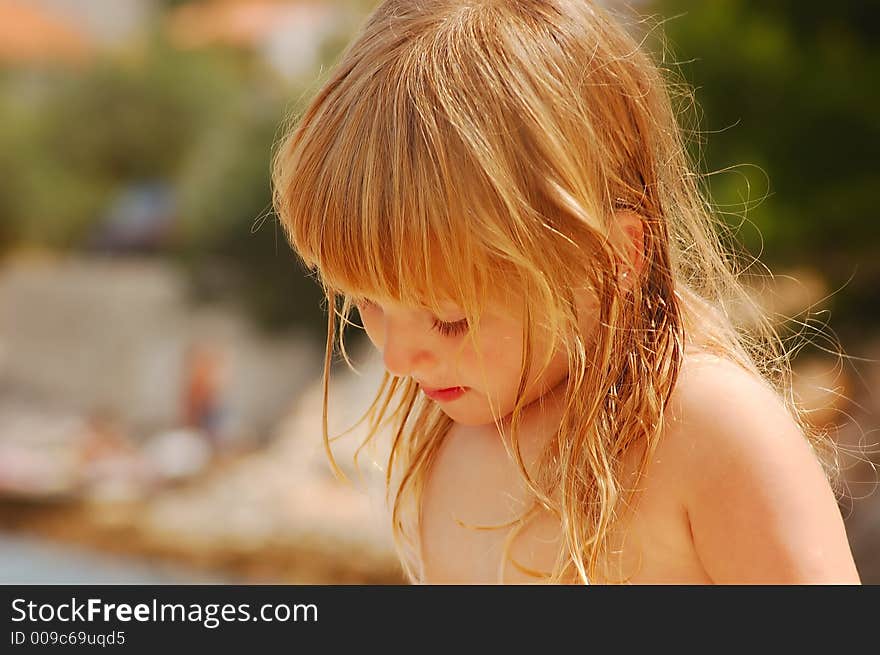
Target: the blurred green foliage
(204, 120)
(70, 140)
(789, 95)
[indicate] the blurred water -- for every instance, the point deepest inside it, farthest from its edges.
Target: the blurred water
(28, 560)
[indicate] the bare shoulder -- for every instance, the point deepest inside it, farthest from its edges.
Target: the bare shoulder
(722, 418)
(759, 505)
(715, 400)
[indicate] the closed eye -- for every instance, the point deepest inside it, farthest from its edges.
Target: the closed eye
(446, 329)
(451, 329)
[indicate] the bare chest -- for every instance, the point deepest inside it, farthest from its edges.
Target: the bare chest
(474, 492)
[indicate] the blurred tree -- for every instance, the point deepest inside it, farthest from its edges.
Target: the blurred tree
(69, 140)
(205, 121)
(171, 4)
(229, 238)
(789, 94)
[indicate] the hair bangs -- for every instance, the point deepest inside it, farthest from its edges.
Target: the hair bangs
(378, 199)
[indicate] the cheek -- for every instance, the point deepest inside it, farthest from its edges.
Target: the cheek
(374, 327)
(496, 363)
(502, 357)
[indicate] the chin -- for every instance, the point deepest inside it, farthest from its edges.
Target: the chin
(463, 416)
(468, 420)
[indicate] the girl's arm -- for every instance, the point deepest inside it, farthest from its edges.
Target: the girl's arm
(759, 505)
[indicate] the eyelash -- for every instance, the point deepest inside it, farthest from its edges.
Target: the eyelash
(451, 329)
(446, 329)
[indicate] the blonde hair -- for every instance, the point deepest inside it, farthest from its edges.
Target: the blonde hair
(480, 148)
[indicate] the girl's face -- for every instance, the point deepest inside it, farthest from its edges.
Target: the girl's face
(436, 352)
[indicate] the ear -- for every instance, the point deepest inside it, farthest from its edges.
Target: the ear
(631, 232)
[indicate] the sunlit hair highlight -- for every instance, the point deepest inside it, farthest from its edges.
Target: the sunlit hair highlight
(481, 151)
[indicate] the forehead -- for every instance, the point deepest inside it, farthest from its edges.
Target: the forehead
(443, 303)
(494, 296)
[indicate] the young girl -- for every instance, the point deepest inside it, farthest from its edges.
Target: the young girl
(502, 191)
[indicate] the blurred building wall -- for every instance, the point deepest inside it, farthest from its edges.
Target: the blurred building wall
(110, 23)
(287, 35)
(113, 335)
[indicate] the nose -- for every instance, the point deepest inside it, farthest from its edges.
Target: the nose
(403, 354)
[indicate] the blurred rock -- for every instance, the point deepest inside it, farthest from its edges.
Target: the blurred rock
(178, 454)
(782, 296)
(823, 388)
(285, 495)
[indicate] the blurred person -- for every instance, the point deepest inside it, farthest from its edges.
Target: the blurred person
(502, 191)
(203, 392)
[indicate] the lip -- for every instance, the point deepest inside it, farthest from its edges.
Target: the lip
(445, 395)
